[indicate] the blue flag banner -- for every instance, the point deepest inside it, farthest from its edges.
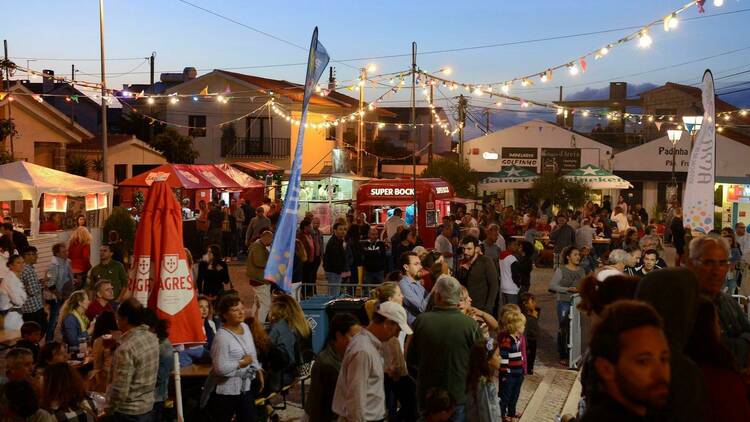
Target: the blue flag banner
(281, 260)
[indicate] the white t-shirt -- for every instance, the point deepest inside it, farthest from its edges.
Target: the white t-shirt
(442, 245)
(744, 242)
(392, 225)
(507, 285)
(622, 222)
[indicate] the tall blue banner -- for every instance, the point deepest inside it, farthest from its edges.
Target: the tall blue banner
(281, 260)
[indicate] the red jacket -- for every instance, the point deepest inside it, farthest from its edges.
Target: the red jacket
(79, 255)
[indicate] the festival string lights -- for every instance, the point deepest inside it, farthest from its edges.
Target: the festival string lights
(579, 65)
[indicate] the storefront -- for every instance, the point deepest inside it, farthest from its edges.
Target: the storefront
(379, 198)
(536, 146)
(649, 168)
(327, 197)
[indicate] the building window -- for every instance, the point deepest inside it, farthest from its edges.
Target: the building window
(197, 126)
(331, 133)
(121, 172)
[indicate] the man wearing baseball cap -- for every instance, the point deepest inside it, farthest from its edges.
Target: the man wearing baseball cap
(360, 395)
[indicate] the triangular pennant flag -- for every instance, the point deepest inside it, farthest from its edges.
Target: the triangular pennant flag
(548, 74)
(582, 60)
(227, 90)
(204, 91)
(658, 125)
(2, 95)
(74, 98)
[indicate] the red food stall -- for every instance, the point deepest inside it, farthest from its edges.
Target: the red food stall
(378, 197)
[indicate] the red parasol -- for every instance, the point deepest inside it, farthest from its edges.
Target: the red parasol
(160, 277)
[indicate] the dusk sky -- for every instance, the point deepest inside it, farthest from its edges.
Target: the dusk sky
(182, 35)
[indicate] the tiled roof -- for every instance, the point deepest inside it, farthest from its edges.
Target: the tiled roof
(720, 104)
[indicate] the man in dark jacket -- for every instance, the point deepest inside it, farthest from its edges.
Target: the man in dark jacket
(479, 274)
(630, 355)
(674, 293)
(563, 235)
(374, 257)
(334, 259)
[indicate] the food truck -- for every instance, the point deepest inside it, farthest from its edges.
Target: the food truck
(379, 198)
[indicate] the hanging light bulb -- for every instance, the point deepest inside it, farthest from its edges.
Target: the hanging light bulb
(559, 111)
(585, 113)
(604, 50)
(478, 91)
(446, 70)
(743, 113)
(525, 82)
(150, 100)
(718, 3)
(371, 67)
(573, 69)
(174, 100)
(671, 22)
(727, 117)
(543, 77)
(644, 39)
(505, 88)
(499, 104)
(220, 98)
(650, 118)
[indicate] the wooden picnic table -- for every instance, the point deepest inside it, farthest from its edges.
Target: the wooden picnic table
(196, 370)
(599, 240)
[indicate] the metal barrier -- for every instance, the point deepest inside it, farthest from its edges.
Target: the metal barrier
(575, 340)
(308, 291)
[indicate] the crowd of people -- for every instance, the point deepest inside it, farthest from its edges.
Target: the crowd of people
(665, 345)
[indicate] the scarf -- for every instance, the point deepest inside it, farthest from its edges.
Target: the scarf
(83, 320)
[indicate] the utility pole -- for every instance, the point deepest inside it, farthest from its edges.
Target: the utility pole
(151, 88)
(104, 92)
(461, 124)
(487, 116)
(7, 82)
(73, 72)
(414, 128)
(432, 129)
(361, 127)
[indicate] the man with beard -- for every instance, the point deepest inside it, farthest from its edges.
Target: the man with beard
(479, 274)
(631, 359)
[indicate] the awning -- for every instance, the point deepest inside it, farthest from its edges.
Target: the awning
(385, 202)
(465, 201)
(509, 177)
(258, 166)
(179, 178)
(214, 175)
(597, 178)
(240, 177)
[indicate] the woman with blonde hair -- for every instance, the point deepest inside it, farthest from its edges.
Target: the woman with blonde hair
(291, 336)
(75, 327)
(79, 253)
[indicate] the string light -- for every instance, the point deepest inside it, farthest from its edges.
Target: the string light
(573, 69)
(644, 39)
(150, 100)
(671, 22)
(718, 3)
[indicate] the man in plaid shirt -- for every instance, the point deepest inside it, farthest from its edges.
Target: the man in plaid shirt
(134, 367)
(33, 308)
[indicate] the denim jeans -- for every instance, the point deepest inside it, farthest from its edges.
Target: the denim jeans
(459, 413)
(334, 283)
(563, 319)
(374, 277)
(510, 389)
(121, 417)
(54, 313)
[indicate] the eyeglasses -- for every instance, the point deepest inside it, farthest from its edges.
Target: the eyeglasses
(713, 262)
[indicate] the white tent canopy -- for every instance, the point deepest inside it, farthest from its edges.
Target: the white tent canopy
(21, 180)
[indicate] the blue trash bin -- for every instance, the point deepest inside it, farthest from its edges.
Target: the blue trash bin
(315, 313)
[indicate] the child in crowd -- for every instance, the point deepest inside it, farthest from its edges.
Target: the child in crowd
(439, 406)
(482, 382)
(512, 353)
(31, 335)
(588, 262)
(531, 333)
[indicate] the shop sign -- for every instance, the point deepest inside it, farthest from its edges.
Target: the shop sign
(392, 191)
(520, 157)
(560, 160)
(442, 190)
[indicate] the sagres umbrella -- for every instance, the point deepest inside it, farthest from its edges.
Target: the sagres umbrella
(160, 277)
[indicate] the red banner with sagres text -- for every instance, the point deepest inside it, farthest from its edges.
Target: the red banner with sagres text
(160, 277)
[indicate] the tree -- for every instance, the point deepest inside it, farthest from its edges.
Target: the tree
(139, 126)
(121, 222)
(560, 191)
(77, 164)
(177, 149)
(462, 177)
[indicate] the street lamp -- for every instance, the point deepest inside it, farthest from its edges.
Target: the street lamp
(674, 136)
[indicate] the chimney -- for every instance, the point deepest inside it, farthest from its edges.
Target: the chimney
(48, 81)
(332, 79)
(618, 90)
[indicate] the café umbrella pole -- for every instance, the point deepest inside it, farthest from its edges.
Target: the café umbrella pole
(178, 387)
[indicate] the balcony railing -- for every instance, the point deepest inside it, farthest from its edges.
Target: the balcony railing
(242, 147)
